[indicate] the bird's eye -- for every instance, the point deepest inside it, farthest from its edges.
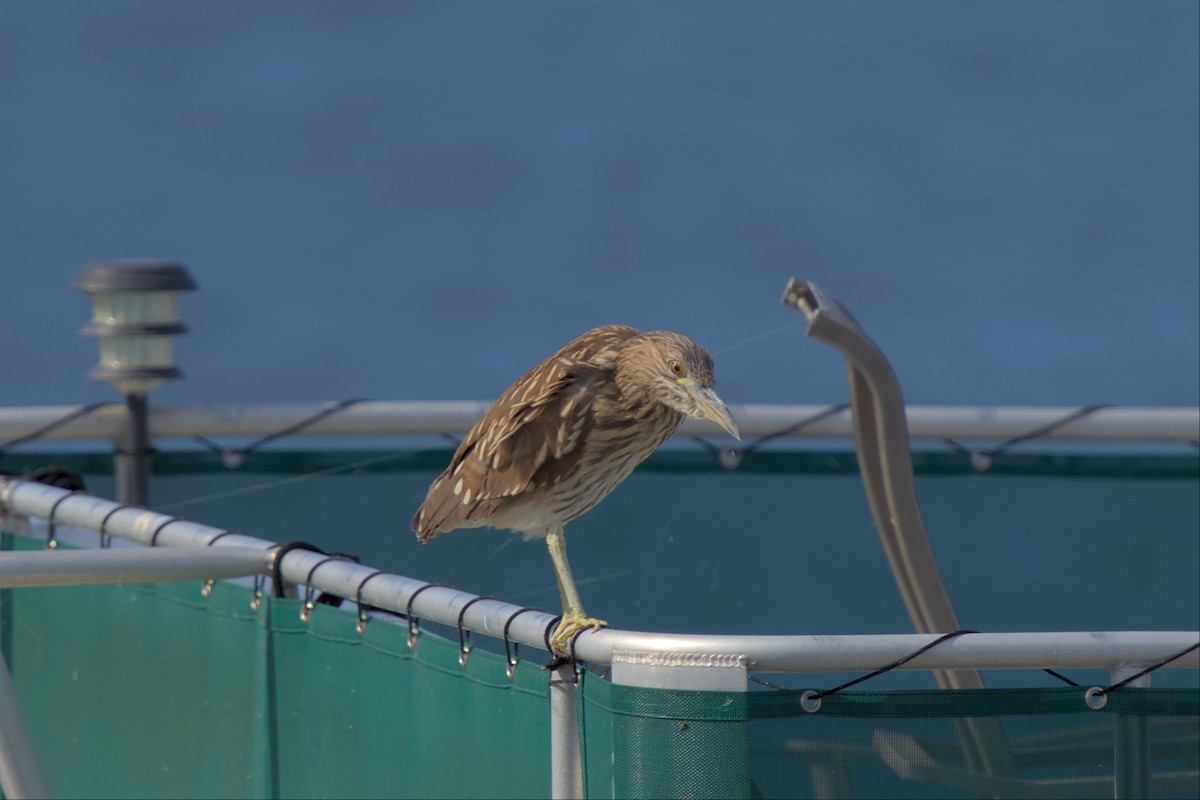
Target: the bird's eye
(677, 368)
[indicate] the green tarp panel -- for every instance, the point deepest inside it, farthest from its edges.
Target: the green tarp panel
(157, 692)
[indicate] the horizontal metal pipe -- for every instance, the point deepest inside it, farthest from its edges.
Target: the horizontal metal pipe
(821, 653)
(129, 565)
(423, 418)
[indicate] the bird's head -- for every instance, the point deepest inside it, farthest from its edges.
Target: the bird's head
(677, 372)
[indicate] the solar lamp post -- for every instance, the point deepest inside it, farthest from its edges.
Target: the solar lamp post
(135, 317)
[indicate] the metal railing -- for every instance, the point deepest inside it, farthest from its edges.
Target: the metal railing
(396, 418)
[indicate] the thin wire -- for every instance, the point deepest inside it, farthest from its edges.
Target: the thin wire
(758, 337)
(260, 487)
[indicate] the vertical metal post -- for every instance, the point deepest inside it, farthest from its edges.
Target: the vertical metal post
(21, 773)
(1131, 743)
(132, 460)
(566, 771)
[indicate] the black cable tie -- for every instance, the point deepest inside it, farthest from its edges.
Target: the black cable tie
(51, 526)
(981, 460)
(218, 538)
(329, 598)
(105, 538)
(82, 411)
(550, 626)
(207, 587)
(159, 529)
(1122, 683)
(414, 624)
(464, 635)
(511, 648)
(277, 567)
(558, 660)
(897, 663)
(310, 592)
(361, 615)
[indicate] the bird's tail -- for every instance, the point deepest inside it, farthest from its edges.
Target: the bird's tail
(423, 527)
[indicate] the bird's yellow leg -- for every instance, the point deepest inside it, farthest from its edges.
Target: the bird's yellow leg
(574, 619)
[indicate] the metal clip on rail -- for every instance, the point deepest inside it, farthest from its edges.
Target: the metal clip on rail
(885, 463)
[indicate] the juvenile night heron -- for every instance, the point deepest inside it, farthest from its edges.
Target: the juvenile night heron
(565, 435)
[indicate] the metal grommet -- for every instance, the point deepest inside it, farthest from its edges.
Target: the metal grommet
(361, 615)
(1096, 698)
(310, 592)
(810, 701)
(256, 594)
(511, 648)
(414, 624)
(730, 458)
(981, 461)
(464, 635)
(51, 528)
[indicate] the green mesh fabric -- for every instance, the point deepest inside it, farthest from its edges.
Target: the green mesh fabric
(898, 744)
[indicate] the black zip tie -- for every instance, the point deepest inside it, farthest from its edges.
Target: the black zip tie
(82, 411)
(550, 626)
(558, 660)
(277, 567)
(361, 615)
(511, 648)
(810, 700)
(51, 527)
(310, 592)
(577, 668)
(159, 529)
(105, 537)
(207, 587)
(414, 624)
(464, 635)
(981, 460)
(218, 538)
(232, 457)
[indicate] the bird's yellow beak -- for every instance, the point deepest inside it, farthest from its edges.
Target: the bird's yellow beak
(711, 407)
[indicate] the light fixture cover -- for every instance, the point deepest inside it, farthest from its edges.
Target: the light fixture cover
(135, 317)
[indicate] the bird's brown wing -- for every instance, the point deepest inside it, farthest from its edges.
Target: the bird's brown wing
(530, 437)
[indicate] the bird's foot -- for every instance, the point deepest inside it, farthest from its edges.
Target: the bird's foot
(563, 639)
